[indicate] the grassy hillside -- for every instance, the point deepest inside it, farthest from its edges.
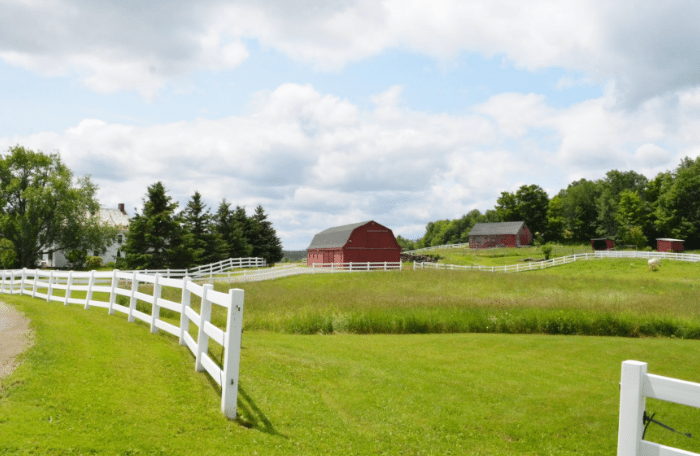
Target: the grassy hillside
(95, 384)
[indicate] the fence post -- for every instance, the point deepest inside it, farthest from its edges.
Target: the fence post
(232, 353)
(36, 283)
(68, 285)
(155, 309)
(91, 283)
(49, 290)
(385, 265)
(202, 337)
(23, 282)
(3, 281)
(113, 292)
(12, 282)
(184, 319)
(632, 406)
(132, 301)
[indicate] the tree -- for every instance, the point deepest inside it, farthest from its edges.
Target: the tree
(42, 209)
(207, 245)
(157, 238)
(266, 244)
(678, 210)
(231, 231)
(607, 203)
(578, 209)
(529, 204)
(405, 244)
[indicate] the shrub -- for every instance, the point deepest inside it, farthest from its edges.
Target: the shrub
(547, 251)
(93, 262)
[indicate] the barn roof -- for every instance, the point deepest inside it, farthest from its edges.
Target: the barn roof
(485, 229)
(334, 237)
(670, 239)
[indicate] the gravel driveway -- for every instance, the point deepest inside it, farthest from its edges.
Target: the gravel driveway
(15, 337)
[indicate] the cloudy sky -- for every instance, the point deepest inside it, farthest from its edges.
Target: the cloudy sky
(328, 112)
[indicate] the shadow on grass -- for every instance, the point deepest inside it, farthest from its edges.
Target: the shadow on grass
(250, 415)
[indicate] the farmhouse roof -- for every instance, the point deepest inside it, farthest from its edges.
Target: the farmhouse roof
(486, 229)
(113, 217)
(334, 237)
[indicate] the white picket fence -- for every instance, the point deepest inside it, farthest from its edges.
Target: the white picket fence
(635, 387)
(45, 284)
(532, 265)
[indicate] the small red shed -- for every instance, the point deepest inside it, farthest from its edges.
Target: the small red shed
(504, 234)
(356, 243)
(602, 244)
(669, 245)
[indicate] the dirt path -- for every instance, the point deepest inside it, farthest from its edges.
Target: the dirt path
(15, 337)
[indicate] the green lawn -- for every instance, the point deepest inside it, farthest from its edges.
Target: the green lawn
(95, 384)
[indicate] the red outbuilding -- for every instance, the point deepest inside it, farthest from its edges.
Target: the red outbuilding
(356, 243)
(505, 234)
(669, 245)
(602, 244)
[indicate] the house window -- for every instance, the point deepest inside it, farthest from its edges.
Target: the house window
(119, 239)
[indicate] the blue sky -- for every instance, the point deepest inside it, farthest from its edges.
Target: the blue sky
(329, 113)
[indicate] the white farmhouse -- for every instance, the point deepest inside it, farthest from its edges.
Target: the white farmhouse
(111, 217)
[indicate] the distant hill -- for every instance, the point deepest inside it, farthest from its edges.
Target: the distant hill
(294, 255)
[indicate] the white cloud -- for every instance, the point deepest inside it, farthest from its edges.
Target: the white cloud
(647, 49)
(315, 160)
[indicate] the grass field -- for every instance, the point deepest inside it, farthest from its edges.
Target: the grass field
(95, 384)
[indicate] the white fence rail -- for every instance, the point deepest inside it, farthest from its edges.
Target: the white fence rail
(61, 286)
(207, 269)
(296, 269)
(436, 247)
(636, 385)
(221, 266)
(533, 265)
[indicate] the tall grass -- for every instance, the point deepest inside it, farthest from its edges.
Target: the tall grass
(599, 297)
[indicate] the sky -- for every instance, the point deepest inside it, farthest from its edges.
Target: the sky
(330, 112)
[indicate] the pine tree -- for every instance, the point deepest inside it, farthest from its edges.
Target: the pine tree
(231, 232)
(207, 246)
(266, 244)
(156, 238)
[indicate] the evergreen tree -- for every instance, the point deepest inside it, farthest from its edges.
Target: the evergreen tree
(157, 238)
(265, 243)
(231, 232)
(207, 246)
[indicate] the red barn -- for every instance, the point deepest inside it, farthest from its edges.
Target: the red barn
(356, 243)
(505, 234)
(602, 244)
(669, 245)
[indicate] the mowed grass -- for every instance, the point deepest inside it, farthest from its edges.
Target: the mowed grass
(501, 256)
(95, 384)
(618, 297)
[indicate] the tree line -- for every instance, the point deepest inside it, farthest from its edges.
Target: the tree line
(44, 209)
(624, 206)
(160, 237)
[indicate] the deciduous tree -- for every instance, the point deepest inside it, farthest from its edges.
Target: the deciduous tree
(43, 209)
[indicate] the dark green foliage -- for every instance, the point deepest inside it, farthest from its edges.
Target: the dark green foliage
(611, 190)
(528, 204)
(157, 238)
(208, 246)
(231, 231)
(41, 210)
(678, 211)
(264, 239)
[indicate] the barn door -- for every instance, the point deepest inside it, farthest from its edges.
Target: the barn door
(327, 256)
